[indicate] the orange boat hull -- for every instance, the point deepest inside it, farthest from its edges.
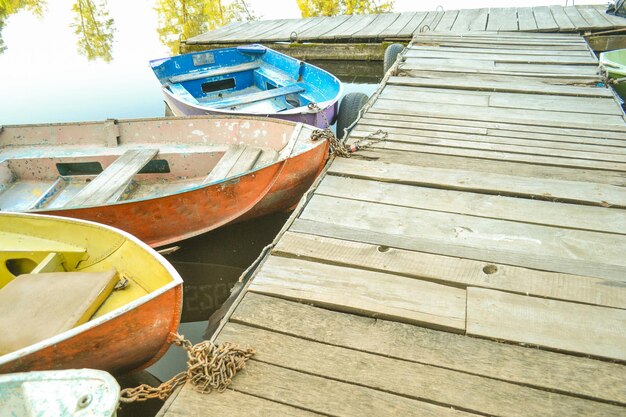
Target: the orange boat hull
(172, 218)
(128, 342)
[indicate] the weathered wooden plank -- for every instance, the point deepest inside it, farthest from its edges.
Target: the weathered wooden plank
(216, 34)
(452, 271)
(111, 183)
(256, 96)
(325, 28)
(296, 30)
(416, 381)
(535, 117)
(502, 19)
(613, 137)
(483, 182)
(412, 25)
(416, 52)
(429, 68)
(500, 83)
(392, 30)
(450, 248)
(617, 21)
(470, 19)
(546, 213)
(190, 402)
(526, 19)
(487, 151)
(562, 19)
(562, 245)
(578, 153)
(407, 300)
(253, 29)
(546, 103)
(532, 367)
(489, 166)
(596, 20)
(503, 52)
(430, 22)
(373, 30)
(372, 124)
(575, 17)
(346, 31)
(213, 72)
(434, 129)
(225, 164)
(578, 328)
(447, 21)
(544, 19)
(327, 396)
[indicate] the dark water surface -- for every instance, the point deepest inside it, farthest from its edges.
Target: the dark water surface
(46, 79)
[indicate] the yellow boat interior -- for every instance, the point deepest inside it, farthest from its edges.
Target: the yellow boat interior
(56, 166)
(56, 274)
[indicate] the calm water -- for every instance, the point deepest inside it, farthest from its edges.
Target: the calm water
(46, 79)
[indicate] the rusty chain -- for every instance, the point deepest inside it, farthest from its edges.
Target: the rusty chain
(209, 367)
(339, 147)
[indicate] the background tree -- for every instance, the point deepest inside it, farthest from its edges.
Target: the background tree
(310, 8)
(184, 19)
(94, 29)
(8, 7)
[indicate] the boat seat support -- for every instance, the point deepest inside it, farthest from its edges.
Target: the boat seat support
(114, 181)
(258, 96)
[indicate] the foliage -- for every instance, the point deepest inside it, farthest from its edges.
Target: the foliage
(310, 8)
(9, 7)
(94, 29)
(184, 19)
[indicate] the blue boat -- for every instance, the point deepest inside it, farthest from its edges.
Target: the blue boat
(248, 80)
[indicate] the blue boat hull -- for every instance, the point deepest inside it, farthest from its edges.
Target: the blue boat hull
(249, 80)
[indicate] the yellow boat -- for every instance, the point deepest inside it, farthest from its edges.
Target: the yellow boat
(77, 294)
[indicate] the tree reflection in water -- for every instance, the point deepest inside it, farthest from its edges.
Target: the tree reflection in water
(94, 29)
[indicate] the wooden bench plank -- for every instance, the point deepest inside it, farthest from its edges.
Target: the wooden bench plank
(578, 328)
(181, 92)
(214, 72)
(111, 183)
(225, 164)
(371, 293)
(257, 96)
(532, 367)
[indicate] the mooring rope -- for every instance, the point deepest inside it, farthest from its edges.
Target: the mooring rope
(209, 367)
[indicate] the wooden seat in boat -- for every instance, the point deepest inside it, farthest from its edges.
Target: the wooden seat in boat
(236, 160)
(214, 72)
(34, 307)
(182, 92)
(257, 96)
(111, 183)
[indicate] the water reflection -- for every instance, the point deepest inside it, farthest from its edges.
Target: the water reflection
(94, 29)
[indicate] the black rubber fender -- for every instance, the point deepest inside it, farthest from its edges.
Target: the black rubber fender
(349, 109)
(391, 54)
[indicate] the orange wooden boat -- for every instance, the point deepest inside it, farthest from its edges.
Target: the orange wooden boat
(77, 294)
(163, 180)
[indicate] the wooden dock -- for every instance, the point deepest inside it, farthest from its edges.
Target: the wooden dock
(365, 37)
(471, 263)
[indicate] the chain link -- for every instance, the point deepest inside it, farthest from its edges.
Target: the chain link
(209, 367)
(339, 147)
